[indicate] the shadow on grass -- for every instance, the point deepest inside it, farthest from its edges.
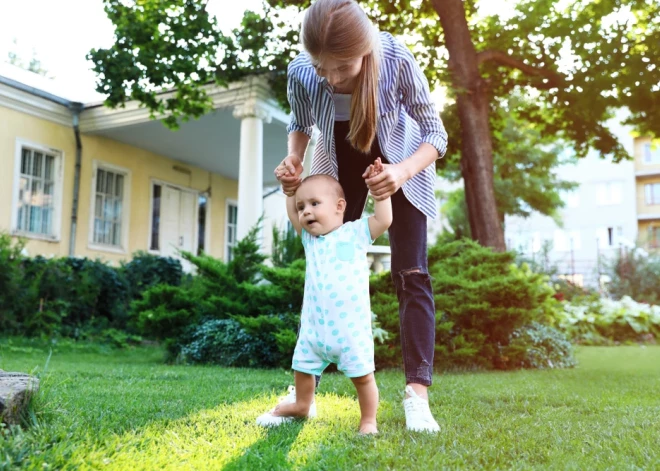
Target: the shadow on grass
(269, 452)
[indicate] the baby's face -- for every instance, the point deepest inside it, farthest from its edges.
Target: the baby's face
(319, 208)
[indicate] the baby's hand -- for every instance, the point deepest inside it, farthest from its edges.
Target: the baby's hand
(374, 169)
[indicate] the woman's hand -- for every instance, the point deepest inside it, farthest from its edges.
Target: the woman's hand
(288, 174)
(386, 182)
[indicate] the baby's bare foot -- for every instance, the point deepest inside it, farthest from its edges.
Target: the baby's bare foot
(368, 429)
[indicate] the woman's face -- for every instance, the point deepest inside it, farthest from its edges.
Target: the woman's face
(341, 74)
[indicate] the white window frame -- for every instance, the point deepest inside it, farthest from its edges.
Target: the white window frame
(228, 203)
(126, 208)
(58, 173)
(163, 183)
(649, 200)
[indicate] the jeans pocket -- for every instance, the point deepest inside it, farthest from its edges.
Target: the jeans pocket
(345, 251)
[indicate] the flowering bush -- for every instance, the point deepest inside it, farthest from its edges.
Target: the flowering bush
(598, 321)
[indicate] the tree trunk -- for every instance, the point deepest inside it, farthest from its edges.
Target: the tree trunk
(472, 101)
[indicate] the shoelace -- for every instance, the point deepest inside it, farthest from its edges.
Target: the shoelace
(416, 405)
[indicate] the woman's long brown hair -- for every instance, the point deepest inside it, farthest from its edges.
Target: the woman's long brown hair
(341, 30)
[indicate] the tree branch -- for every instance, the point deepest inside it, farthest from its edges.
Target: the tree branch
(490, 55)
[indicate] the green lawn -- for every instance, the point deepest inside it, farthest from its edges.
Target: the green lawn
(124, 409)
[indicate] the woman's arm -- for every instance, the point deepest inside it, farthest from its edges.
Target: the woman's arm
(417, 101)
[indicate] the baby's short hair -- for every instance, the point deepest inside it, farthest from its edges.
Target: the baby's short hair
(328, 180)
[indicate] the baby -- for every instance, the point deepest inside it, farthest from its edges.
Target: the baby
(336, 314)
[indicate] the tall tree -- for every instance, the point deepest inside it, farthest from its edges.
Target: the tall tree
(578, 59)
(525, 164)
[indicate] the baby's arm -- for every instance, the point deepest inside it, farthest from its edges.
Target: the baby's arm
(382, 218)
(292, 212)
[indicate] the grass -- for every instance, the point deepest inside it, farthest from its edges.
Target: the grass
(123, 409)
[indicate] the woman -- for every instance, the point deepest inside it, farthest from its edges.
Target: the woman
(369, 98)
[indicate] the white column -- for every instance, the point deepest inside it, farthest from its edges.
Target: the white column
(251, 164)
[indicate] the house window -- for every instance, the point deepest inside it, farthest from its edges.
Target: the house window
(652, 192)
(651, 154)
(109, 211)
(654, 237)
(38, 185)
(609, 236)
(155, 217)
(609, 193)
(232, 225)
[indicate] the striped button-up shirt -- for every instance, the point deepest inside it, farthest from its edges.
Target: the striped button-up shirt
(407, 116)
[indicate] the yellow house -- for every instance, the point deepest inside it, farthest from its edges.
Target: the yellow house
(647, 175)
(79, 179)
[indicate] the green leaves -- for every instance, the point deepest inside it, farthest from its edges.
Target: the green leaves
(159, 46)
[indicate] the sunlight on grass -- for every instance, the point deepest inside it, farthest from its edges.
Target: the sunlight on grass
(125, 409)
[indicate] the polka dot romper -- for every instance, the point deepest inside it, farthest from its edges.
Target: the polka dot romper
(336, 314)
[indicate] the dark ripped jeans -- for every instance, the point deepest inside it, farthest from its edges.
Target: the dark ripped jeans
(408, 242)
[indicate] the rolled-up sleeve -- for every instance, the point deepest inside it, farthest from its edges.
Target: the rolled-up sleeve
(416, 98)
(301, 107)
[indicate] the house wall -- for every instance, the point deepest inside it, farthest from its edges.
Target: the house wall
(143, 167)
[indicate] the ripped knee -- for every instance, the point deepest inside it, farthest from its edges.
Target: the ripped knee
(410, 272)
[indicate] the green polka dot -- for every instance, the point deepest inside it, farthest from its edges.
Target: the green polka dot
(320, 344)
(342, 277)
(305, 351)
(341, 340)
(333, 295)
(335, 332)
(318, 309)
(339, 303)
(354, 298)
(331, 323)
(356, 333)
(339, 266)
(351, 325)
(346, 349)
(353, 358)
(328, 286)
(321, 322)
(343, 315)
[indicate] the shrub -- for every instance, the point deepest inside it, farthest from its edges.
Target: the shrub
(481, 298)
(635, 274)
(146, 270)
(538, 346)
(72, 297)
(287, 247)
(596, 321)
(264, 302)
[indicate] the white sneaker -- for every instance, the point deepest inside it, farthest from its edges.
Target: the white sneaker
(270, 420)
(418, 414)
